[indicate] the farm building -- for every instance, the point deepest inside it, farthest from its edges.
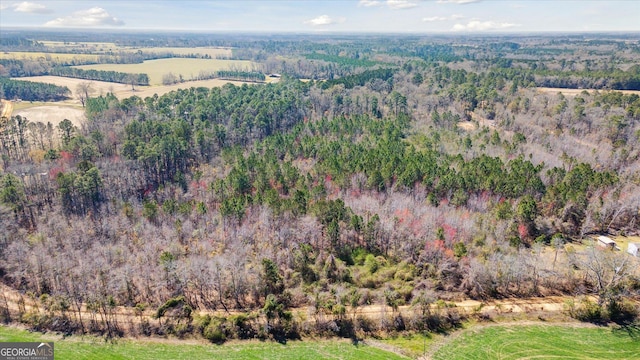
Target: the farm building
(606, 242)
(633, 249)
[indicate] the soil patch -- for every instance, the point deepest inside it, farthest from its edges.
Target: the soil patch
(53, 114)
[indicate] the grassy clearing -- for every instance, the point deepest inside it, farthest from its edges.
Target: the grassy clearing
(54, 114)
(543, 341)
(23, 55)
(624, 241)
(121, 91)
(188, 68)
(413, 344)
(93, 348)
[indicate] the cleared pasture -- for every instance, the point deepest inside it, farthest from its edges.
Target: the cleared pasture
(87, 347)
(542, 342)
(188, 68)
(59, 57)
(623, 243)
(6, 108)
(122, 91)
(53, 114)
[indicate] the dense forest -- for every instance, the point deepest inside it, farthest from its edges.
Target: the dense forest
(420, 173)
(101, 75)
(28, 90)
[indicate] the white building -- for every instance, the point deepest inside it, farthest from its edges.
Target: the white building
(633, 249)
(606, 242)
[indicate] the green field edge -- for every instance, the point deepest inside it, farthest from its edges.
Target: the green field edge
(91, 347)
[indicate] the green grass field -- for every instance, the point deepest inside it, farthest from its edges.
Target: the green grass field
(414, 345)
(188, 68)
(542, 342)
(77, 348)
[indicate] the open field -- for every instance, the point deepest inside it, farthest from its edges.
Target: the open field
(574, 92)
(542, 341)
(624, 241)
(6, 108)
(413, 345)
(61, 57)
(94, 348)
(188, 68)
(122, 91)
(53, 114)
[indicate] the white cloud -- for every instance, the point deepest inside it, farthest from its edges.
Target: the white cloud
(3, 6)
(95, 16)
(477, 25)
(401, 4)
(442, 18)
(462, 2)
(324, 20)
(369, 3)
(29, 7)
(435, 18)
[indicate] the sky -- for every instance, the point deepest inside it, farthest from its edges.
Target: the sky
(309, 16)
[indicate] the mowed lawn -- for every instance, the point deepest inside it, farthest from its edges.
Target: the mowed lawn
(94, 348)
(542, 342)
(188, 68)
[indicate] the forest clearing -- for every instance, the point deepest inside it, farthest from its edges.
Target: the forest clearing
(122, 91)
(188, 69)
(53, 113)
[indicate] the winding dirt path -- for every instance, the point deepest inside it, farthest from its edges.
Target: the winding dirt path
(6, 108)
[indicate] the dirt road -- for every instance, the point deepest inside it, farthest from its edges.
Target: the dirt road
(6, 108)
(17, 302)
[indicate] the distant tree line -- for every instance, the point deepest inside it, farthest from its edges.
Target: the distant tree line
(22, 68)
(431, 53)
(360, 79)
(17, 43)
(32, 91)
(101, 75)
(342, 60)
(238, 75)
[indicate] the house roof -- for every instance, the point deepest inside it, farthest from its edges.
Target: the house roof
(606, 240)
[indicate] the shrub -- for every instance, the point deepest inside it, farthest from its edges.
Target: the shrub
(371, 263)
(241, 326)
(585, 310)
(622, 311)
(216, 331)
